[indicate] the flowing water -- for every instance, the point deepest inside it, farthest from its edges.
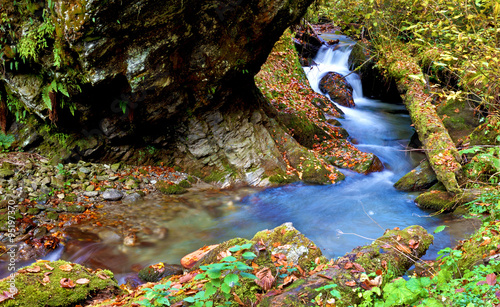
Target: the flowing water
(336, 217)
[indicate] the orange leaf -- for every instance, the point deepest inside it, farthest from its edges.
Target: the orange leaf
(82, 281)
(66, 267)
(66, 283)
(351, 283)
(34, 269)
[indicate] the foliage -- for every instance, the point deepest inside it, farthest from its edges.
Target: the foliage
(35, 40)
(486, 203)
(158, 295)
(485, 163)
(5, 141)
(222, 277)
(332, 294)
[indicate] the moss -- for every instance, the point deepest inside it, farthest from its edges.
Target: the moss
(216, 176)
(168, 188)
(34, 291)
(184, 184)
(419, 179)
(191, 179)
(436, 200)
(282, 179)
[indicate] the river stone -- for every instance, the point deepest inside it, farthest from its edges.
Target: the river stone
(84, 170)
(90, 193)
(131, 198)
(419, 179)
(112, 194)
(115, 167)
(436, 200)
(340, 91)
(90, 188)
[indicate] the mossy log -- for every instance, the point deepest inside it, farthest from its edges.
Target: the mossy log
(438, 145)
(390, 255)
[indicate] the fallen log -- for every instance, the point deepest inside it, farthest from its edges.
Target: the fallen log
(441, 152)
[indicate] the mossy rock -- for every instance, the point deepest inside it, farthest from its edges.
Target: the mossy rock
(157, 272)
(436, 200)
(35, 291)
(289, 241)
(419, 179)
(168, 188)
(304, 130)
(185, 184)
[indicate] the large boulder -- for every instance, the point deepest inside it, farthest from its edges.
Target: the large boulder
(173, 80)
(340, 91)
(419, 179)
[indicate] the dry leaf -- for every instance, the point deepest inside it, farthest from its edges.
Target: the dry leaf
(351, 283)
(413, 244)
(82, 281)
(265, 279)
(101, 275)
(384, 264)
(238, 300)
(288, 280)
(66, 283)
(348, 265)
(48, 267)
(34, 269)
(403, 248)
(398, 238)
(46, 278)
(5, 296)
(66, 267)
(187, 277)
(378, 272)
(386, 246)
(487, 240)
(358, 267)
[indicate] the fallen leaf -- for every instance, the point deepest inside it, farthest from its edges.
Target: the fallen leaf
(384, 264)
(491, 279)
(351, 283)
(66, 283)
(5, 296)
(265, 279)
(487, 240)
(348, 265)
(398, 238)
(48, 267)
(34, 269)
(66, 267)
(378, 272)
(101, 275)
(403, 248)
(413, 244)
(46, 278)
(238, 300)
(288, 280)
(187, 277)
(358, 267)
(82, 281)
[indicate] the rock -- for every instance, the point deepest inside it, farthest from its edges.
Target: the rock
(168, 188)
(90, 188)
(131, 198)
(419, 179)
(130, 239)
(340, 91)
(129, 183)
(52, 215)
(109, 236)
(157, 272)
(91, 193)
(6, 173)
(115, 167)
(84, 170)
(81, 175)
(190, 260)
(75, 209)
(112, 194)
(52, 293)
(436, 200)
(396, 248)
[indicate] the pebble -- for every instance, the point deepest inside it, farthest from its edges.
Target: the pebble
(131, 198)
(112, 194)
(91, 193)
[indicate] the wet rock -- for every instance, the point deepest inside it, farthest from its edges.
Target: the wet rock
(156, 272)
(130, 239)
(131, 198)
(340, 91)
(419, 179)
(112, 195)
(75, 209)
(90, 188)
(84, 170)
(115, 167)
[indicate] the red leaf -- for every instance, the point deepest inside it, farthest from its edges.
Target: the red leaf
(460, 290)
(491, 279)
(5, 296)
(351, 283)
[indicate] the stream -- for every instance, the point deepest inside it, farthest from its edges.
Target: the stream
(336, 217)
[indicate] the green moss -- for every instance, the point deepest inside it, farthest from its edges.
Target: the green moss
(436, 200)
(184, 184)
(169, 188)
(33, 291)
(282, 179)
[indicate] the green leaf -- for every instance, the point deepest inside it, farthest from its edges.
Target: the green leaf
(225, 288)
(229, 259)
(439, 228)
(189, 299)
(231, 279)
(46, 98)
(61, 87)
(213, 273)
(248, 255)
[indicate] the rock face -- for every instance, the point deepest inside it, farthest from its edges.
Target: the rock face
(149, 78)
(340, 91)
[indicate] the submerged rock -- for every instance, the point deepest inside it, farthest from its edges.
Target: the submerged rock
(112, 194)
(340, 91)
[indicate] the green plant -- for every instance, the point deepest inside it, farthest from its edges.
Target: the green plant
(332, 294)
(6, 140)
(158, 295)
(35, 40)
(486, 203)
(222, 277)
(61, 170)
